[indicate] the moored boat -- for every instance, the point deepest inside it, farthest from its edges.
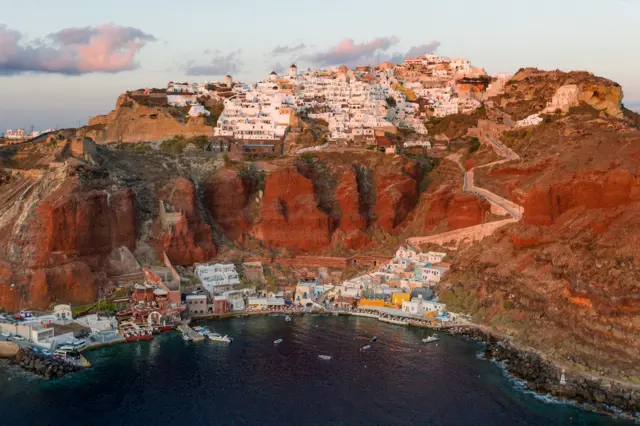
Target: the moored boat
(432, 338)
(217, 337)
(325, 357)
(275, 342)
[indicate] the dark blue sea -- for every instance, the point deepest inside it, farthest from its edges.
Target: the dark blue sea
(399, 381)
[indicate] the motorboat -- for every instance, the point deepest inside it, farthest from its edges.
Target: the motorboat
(7, 335)
(287, 318)
(216, 337)
(275, 342)
(364, 348)
(325, 357)
(198, 328)
(186, 338)
(374, 338)
(432, 338)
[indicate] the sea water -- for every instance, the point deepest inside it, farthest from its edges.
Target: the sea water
(398, 381)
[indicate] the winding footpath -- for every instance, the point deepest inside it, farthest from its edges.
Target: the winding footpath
(452, 239)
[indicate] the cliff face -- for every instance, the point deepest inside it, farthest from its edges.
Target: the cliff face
(530, 89)
(457, 210)
(185, 237)
(70, 228)
(136, 120)
(290, 214)
(227, 198)
(56, 233)
(564, 279)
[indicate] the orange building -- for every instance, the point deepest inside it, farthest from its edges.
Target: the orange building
(375, 303)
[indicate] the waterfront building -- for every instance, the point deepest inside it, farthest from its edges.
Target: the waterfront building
(308, 290)
(63, 312)
(235, 298)
(197, 304)
(399, 298)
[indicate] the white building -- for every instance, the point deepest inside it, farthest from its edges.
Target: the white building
(565, 97)
(532, 120)
(63, 312)
(432, 257)
(197, 110)
(433, 273)
(235, 299)
(405, 252)
(215, 277)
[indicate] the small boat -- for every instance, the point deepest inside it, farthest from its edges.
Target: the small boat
(216, 337)
(432, 338)
(324, 357)
(287, 318)
(374, 338)
(364, 348)
(5, 334)
(275, 342)
(186, 338)
(198, 328)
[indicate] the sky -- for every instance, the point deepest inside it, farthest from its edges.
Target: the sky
(61, 65)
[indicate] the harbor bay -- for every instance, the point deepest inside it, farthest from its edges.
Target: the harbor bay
(397, 380)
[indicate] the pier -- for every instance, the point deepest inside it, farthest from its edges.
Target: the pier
(185, 329)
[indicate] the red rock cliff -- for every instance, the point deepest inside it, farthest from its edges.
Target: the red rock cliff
(227, 197)
(290, 214)
(186, 239)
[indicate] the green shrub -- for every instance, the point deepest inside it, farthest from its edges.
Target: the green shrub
(175, 145)
(475, 145)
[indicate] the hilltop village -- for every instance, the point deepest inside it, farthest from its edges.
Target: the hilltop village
(353, 103)
(367, 106)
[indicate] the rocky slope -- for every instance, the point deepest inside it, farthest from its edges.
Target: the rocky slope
(144, 119)
(530, 89)
(564, 279)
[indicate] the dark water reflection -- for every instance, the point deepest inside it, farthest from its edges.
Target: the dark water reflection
(399, 381)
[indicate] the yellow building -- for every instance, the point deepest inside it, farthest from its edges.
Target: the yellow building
(398, 298)
(378, 303)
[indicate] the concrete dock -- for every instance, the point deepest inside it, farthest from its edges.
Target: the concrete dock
(185, 329)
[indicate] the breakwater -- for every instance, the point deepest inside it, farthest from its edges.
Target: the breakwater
(41, 365)
(545, 377)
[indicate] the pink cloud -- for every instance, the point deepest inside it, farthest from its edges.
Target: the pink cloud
(106, 48)
(348, 52)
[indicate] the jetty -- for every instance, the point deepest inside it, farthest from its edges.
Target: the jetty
(185, 329)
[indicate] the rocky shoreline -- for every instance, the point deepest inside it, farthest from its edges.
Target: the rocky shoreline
(43, 366)
(544, 377)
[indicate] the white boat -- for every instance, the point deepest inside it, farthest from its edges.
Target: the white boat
(17, 337)
(186, 338)
(275, 342)
(198, 328)
(364, 348)
(324, 357)
(287, 318)
(432, 338)
(5, 335)
(216, 337)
